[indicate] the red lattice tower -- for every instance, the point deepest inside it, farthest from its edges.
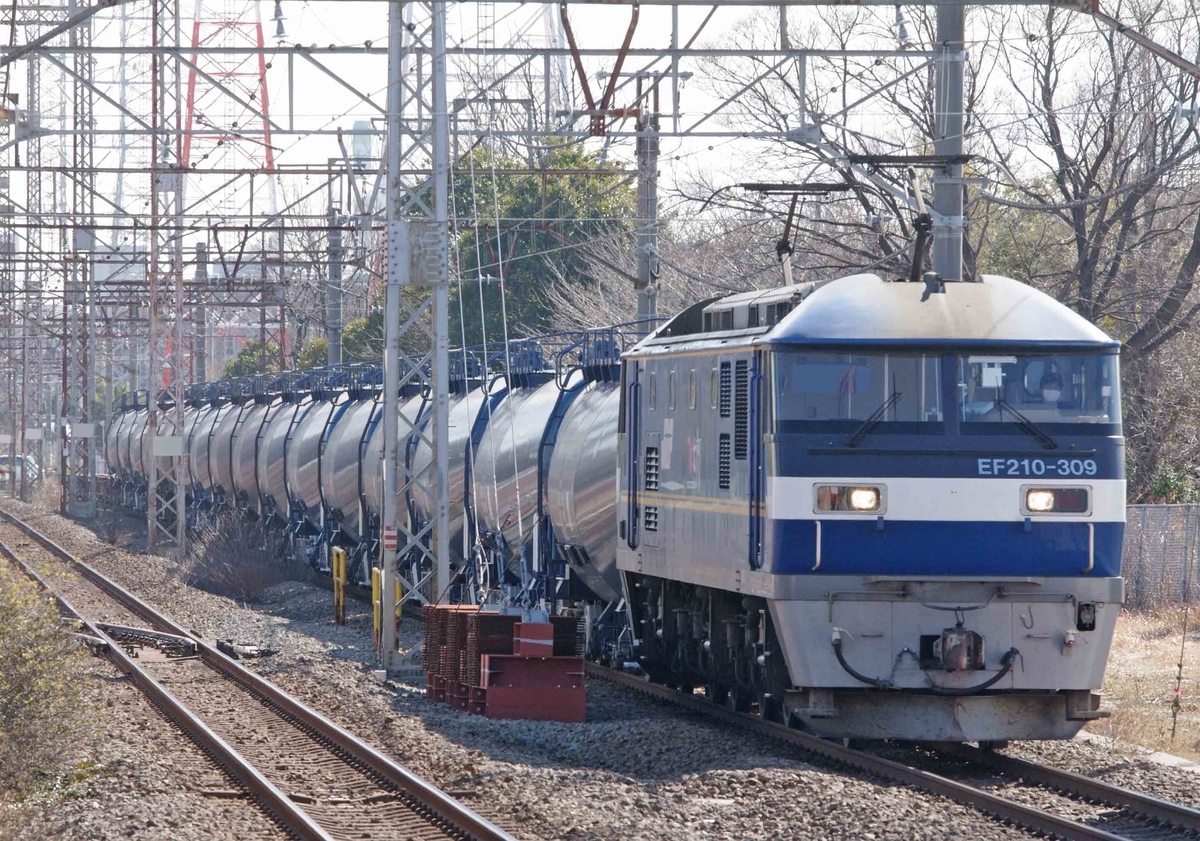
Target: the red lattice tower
(229, 132)
(227, 93)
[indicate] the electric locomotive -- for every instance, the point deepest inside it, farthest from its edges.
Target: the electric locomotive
(877, 509)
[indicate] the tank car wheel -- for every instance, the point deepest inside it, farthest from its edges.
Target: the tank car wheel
(740, 700)
(718, 693)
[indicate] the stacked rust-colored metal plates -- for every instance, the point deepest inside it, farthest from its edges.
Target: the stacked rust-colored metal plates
(493, 664)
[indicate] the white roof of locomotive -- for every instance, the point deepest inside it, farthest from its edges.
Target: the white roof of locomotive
(865, 309)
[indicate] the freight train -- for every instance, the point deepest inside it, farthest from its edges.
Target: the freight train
(870, 508)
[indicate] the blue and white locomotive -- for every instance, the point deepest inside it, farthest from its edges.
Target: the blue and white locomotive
(877, 509)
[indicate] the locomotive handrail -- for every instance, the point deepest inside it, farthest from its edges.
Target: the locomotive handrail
(633, 464)
(756, 477)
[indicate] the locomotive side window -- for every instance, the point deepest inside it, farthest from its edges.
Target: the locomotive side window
(671, 391)
(692, 390)
(852, 387)
(652, 399)
(714, 389)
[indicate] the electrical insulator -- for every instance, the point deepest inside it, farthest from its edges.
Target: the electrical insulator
(280, 32)
(903, 37)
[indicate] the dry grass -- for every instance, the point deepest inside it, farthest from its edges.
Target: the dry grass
(1139, 686)
(239, 559)
(40, 697)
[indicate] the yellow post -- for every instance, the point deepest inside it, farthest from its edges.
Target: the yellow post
(339, 585)
(377, 600)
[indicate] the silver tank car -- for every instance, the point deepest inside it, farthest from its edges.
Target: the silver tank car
(464, 409)
(303, 459)
(191, 414)
(272, 475)
(581, 488)
(200, 444)
(139, 443)
(245, 445)
(220, 456)
(410, 410)
(341, 467)
(111, 439)
(506, 464)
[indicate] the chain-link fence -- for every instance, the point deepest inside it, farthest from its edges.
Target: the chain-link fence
(1162, 543)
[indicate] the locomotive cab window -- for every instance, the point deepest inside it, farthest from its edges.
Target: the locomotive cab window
(692, 390)
(829, 392)
(671, 391)
(1047, 390)
(652, 395)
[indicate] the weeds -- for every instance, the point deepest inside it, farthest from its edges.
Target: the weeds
(237, 558)
(39, 693)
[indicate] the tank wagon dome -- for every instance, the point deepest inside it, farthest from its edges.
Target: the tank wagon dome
(864, 309)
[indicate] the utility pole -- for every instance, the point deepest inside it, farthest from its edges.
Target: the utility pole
(949, 220)
(333, 290)
(200, 339)
(647, 205)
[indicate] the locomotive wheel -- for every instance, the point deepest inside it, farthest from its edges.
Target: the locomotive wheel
(740, 700)
(770, 707)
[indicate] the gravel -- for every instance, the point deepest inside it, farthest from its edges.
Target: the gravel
(636, 769)
(136, 776)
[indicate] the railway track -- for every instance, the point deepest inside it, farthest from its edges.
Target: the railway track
(1122, 815)
(319, 781)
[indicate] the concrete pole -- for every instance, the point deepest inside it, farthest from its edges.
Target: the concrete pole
(391, 348)
(948, 140)
(200, 340)
(441, 306)
(333, 290)
(647, 218)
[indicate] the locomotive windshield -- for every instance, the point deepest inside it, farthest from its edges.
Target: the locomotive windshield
(842, 389)
(1045, 389)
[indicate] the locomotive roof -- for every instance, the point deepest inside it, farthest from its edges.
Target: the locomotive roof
(865, 309)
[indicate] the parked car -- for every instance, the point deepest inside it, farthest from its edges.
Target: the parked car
(30, 467)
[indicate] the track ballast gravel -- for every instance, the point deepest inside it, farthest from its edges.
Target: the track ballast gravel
(635, 770)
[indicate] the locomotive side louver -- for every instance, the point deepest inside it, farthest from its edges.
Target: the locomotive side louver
(651, 517)
(652, 468)
(741, 406)
(724, 464)
(726, 390)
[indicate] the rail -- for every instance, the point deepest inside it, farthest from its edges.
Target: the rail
(464, 821)
(1030, 818)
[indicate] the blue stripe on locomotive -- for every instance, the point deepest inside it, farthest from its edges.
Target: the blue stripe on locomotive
(860, 547)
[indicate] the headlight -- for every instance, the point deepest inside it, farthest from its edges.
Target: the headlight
(1037, 500)
(864, 499)
(849, 498)
(1056, 501)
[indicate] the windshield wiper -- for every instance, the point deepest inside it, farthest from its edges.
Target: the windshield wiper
(873, 421)
(1026, 425)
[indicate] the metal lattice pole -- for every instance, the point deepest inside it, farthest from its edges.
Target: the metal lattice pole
(416, 301)
(166, 507)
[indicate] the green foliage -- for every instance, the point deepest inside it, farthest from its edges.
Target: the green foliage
(39, 690)
(362, 338)
(313, 354)
(1171, 486)
(541, 218)
(250, 362)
